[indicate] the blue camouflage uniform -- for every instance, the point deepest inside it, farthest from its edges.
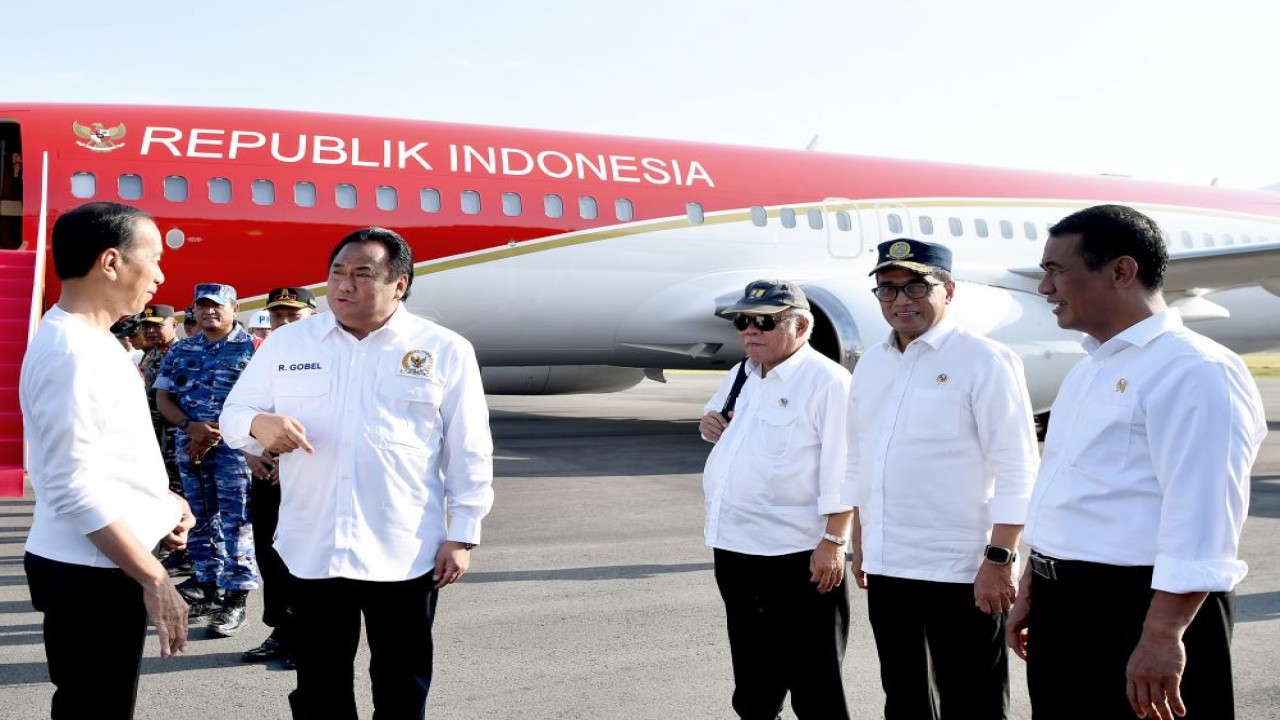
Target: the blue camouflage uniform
(199, 373)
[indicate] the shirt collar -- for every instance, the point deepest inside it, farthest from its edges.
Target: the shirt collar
(787, 367)
(935, 337)
(400, 323)
(1139, 334)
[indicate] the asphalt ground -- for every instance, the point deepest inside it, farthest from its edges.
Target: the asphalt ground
(592, 595)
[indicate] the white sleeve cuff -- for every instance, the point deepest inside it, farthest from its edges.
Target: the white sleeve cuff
(1183, 576)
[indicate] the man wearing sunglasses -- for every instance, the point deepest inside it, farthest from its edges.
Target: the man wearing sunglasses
(941, 458)
(775, 519)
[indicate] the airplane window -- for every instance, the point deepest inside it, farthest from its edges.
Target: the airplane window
(1187, 242)
(175, 188)
(84, 184)
(788, 217)
(344, 196)
(1006, 229)
(1209, 241)
(1029, 228)
(130, 186)
(895, 223)
(387, 198)
(843, 221)
(304, 194)
(264, 192)
(981, 227)
(957, 229)
(511, 204)
(471, 202)
(926, 225)
(623, 210)
(219, 190)
(1167, 237)
(1246, 240)
(430, 199)
(553, 206)
(1228, 240)
(1264, 239)
(815, 219)
(694, 211)
(587, 208)
(759, 216)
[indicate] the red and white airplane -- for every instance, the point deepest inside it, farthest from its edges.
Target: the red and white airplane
(581, 263)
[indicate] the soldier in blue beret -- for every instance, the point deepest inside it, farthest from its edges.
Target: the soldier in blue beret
(194, 379)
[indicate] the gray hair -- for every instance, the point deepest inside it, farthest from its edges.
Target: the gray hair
(789, 317)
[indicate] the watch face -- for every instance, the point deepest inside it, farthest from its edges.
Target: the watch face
(999, 555)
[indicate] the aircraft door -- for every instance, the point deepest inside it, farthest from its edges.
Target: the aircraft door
(893, 220)
(843, 225)
(10, 186)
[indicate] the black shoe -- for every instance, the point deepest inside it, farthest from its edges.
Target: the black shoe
(233, 617)
(270, 649)
(177, 563)
(291, 661)
(203, 610)
(194, 591)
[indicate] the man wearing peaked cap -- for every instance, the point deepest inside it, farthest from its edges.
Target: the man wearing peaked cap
(290, 304)
(774, 517)
(941, 457)
(158, 327)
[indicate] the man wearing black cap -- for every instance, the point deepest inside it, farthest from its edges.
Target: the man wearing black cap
(941, 457)
(775, 518)
(156, 324)
(285, 305)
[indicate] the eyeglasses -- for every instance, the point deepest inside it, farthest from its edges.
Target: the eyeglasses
(764, 323)
(915, 290)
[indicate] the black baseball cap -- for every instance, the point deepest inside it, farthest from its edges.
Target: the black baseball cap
(769, 297)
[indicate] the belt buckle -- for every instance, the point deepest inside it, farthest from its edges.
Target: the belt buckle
(1044, 567)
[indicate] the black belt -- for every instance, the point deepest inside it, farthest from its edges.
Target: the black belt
(1051, 568)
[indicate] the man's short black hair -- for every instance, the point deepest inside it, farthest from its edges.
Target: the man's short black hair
(399, 254)
(1111, 231)
(83, 233)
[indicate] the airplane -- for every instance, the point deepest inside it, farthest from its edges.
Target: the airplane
(579, 263)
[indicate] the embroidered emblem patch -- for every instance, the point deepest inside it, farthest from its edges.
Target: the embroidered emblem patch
(900, 250)
(417, 363)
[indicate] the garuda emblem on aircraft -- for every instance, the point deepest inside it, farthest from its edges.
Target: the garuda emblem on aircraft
(98, 138)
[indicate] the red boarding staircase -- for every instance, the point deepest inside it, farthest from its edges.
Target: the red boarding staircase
(17, 273)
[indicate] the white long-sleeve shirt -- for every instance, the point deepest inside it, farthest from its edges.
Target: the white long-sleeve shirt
(941, 446)
(1147, 460)
(775, 473)
(403, 456)
(92, 453)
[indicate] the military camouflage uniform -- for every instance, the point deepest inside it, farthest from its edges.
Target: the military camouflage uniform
(166, 433)
(199, 373)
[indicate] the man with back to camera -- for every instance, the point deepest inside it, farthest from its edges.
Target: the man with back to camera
(194, 379)
(382, 508)
(102, 502)
(941, 457)
(1134, 525)
(284, 305)
(775, 519)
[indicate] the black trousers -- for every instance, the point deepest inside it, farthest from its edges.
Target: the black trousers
(277, 583)
(397, 618)
(1083, 628)
(783, 636)
(94, 651)
(940, 657)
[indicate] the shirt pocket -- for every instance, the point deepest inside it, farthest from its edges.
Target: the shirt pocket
(409, 410)
(934, 414)
(298, 395)
(777, 428)
(1105, 430)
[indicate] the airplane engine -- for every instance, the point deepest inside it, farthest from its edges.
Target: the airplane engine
(558, 379)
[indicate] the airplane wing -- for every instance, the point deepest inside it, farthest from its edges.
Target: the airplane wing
(1196, 272)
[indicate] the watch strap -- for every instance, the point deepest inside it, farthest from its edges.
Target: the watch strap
(834, 539)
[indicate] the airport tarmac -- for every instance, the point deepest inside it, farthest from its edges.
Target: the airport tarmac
(592, 594)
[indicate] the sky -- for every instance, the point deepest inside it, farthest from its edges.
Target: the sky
(1175, 90)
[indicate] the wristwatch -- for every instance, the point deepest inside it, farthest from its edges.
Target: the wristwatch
(834, 539)
(997, 555)
(468, 546)
(183, 423)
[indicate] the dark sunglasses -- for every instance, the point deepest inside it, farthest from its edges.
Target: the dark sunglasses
(765, 323)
